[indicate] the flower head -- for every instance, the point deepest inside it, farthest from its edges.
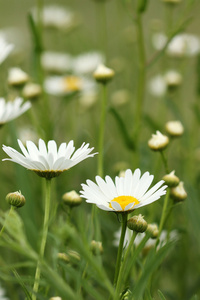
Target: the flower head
(126, 194)
(48, 161)
(12, 109)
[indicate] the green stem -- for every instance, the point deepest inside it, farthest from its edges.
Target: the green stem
(102, 130)
(142, 77)
(123, 266)
(164, 159)
(44, 238)
(4, 225)
(120, 249)
(164, 212)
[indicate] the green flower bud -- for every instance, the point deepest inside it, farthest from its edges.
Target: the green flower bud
(72, 199)
(16, 199)
(70, 256)
(171, 179)
(153, 230)
(178, 193)
(96, 247)
(137, 223)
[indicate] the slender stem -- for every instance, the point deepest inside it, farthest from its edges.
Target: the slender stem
(44, 238)
(120, 249)
(164, 212)
(123, 266)
(142, 77)
(4, 225)
(164, 161)
(102, 129)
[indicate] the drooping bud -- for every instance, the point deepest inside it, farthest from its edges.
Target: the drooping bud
(178, 193)
(103, 74)
(96, 247)
(153, 230)
(72, 199)
(174, 128)
(17, 77)
(171, 179)
(16, 199)
(31, 91)
(158, 141)
(137, 223)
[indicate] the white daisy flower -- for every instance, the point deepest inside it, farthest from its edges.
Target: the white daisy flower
(126, 194)
(54, 16)
(12, 109)
(87, 62)
(48, 161)
(66, 85)
(56, 62)
(5, 49)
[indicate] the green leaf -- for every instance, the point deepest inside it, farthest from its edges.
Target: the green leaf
(124, 133)
(153, 261)
(162, 297)
(26, 292)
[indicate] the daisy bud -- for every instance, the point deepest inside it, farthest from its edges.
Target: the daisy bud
(17, 77)
(171, 179)
(72, 199)
(103, 74)
(70, 256)
(55, 298)
(174, 128)
(173, 80)
(31, 91)
(96, 247)
(178, 193)
(158, 141)
(137, 223)
(16, 199)
(153, 230)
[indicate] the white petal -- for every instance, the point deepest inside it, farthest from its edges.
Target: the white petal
(116, 206)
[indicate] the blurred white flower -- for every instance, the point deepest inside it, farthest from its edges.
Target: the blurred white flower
(5, 49)
(26, 134)
(54, 16)
(157, 86)
(56, 62)
(164, 237)
(87, 62)
(65, 85)
(48, 161)
(12, 109)
(182, 45)
(126, 194)
(2, 294)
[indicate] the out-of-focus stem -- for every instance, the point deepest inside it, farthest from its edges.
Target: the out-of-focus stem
(44, 238)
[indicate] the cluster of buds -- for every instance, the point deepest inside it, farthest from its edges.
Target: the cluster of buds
(177, 192)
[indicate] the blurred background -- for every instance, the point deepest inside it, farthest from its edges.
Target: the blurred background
(107, 32)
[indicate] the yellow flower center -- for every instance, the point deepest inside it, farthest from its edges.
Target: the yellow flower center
(124, 201)
(72, 83)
